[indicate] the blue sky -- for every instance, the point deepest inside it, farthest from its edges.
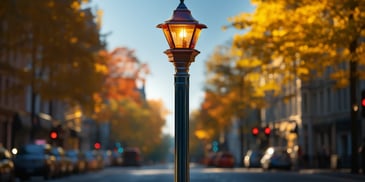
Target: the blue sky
(132, 24)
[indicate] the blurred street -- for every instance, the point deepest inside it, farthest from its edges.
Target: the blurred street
(278, 87)
(164, 173)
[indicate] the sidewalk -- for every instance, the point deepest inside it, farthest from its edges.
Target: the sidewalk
(340, 173)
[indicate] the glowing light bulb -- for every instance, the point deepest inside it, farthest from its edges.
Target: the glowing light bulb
(182, 35)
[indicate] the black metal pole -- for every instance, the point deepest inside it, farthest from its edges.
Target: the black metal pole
(354, 77)
(181, 127)
(182, 58)
(354, 118)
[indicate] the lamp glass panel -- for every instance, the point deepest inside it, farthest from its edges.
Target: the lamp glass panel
(195, 38)
(167, 34)
(182, 34)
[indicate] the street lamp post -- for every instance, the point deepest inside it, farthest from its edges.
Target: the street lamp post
(182, 32)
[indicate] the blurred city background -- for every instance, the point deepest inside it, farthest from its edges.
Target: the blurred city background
(278, 85)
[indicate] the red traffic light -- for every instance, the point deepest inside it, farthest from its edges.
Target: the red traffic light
(363, 102)
(255, 131)
(267, 131)
(97, 145)
(53, 135)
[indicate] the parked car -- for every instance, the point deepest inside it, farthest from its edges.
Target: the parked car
(7, 171)
(132, 157)
(35, 160)
(116, 158)
(107, 158)
(276, 157)
(63, 163)
(94, 160)
(252, 158)
(210, 159)
(78, 161)
(224, 159)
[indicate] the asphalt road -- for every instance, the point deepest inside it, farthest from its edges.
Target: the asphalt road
(164, 173)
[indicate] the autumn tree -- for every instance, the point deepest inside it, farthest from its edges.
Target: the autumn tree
(53, 47)
(126, 73)
(220, 82)
(134, 121)
(200, 135)
(125, 80)
(139, 126)
(230, 88)
(304, 38)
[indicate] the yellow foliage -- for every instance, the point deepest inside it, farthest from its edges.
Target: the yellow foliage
(248, 63)
(51, 4)
(101, 68)
(76, 5)
(159, 107)
(73, 40)
(279, 33)
(339, 22)
(342, 82)
(202, 134)
(302, 71)
(99, 17)
(259, 93)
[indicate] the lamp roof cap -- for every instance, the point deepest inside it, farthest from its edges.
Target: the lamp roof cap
(182, 15)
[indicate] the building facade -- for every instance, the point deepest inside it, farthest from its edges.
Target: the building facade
(313, 117)
(17, 101)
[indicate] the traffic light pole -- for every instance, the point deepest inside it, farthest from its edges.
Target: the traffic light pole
(363, 103)
(354, 121)
(241, 122)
